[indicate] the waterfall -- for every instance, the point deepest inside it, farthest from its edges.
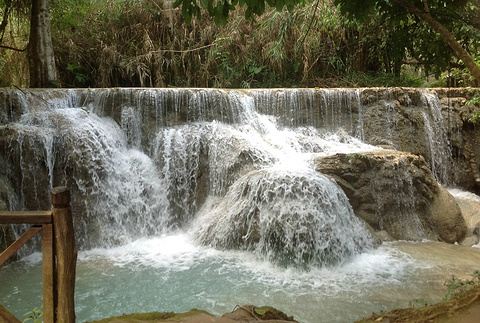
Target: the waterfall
(403, 221)
(436, 138)
(320, 108)
(232, 167)
(118, 193)
(145, 162)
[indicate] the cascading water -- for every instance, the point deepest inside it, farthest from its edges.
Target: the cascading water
(437, 138)
(122, 193)
(406, 222)
(119, 190)
(282, 209)
(288, 217)
(260, 179)
(192, 198)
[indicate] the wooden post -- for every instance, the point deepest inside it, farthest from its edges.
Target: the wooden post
(66, 254)
(48, 273)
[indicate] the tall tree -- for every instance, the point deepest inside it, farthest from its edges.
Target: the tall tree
(426, 10)
(41, 58)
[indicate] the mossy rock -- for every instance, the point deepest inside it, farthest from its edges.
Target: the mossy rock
(267, 313)
(464, 308)
(244, 313)
(153, 316)
(247, 313)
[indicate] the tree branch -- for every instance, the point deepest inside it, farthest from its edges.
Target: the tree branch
(13, 48)
(446, 35)
(183, 51)
(309, 26)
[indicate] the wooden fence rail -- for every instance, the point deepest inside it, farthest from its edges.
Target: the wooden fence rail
(59, 256)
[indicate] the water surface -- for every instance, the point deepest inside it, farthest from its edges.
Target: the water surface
(170, 273)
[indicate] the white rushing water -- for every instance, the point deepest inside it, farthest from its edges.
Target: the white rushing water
(220, 211)
(437, 139)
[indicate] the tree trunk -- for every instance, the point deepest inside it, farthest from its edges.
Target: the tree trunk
(446, 35)
(41, 59)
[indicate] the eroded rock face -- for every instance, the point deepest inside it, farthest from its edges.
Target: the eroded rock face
(395, 193)
(470, 205)
(433, 123)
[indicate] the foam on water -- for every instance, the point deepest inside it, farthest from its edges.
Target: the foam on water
(178, 252)
(173, 252)
(172, 273)
(465, 195)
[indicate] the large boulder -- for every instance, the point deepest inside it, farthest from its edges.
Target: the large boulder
(396, 194)
(470, 205)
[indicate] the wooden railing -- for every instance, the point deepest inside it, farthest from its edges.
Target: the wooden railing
(59, 256)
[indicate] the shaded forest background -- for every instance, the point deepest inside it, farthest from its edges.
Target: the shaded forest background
(110, 43)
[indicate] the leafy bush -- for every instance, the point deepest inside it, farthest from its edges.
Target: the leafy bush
(382, 80)
(456, 286)
(147, 43)
(35, 315)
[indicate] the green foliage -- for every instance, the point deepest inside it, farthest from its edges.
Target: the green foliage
(357, 9)
(80, 74)
(14, 29)
(459, 75)
(456, 286)
(407, 37)
(419, 302)
(475, 118)
(475, 99)
(382, 80)
(357, 156)
(34, 315)
(260, 311)
(137, 43)
(100, 43)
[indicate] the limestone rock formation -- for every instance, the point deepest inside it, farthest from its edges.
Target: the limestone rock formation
(395, 193)
(470, 205)
(434, 123)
